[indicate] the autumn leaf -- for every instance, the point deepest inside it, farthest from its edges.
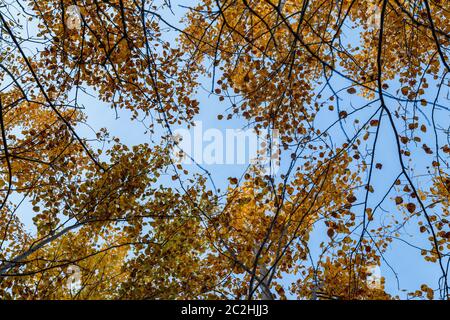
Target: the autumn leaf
(411, 207)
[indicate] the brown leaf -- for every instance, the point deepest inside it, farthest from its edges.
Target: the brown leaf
(411, 207)
(398, 200)
(330, 232)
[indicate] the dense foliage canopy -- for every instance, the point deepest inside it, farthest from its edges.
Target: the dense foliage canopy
(358, 90)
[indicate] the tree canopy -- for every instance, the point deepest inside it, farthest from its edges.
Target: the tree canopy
(358, 91)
